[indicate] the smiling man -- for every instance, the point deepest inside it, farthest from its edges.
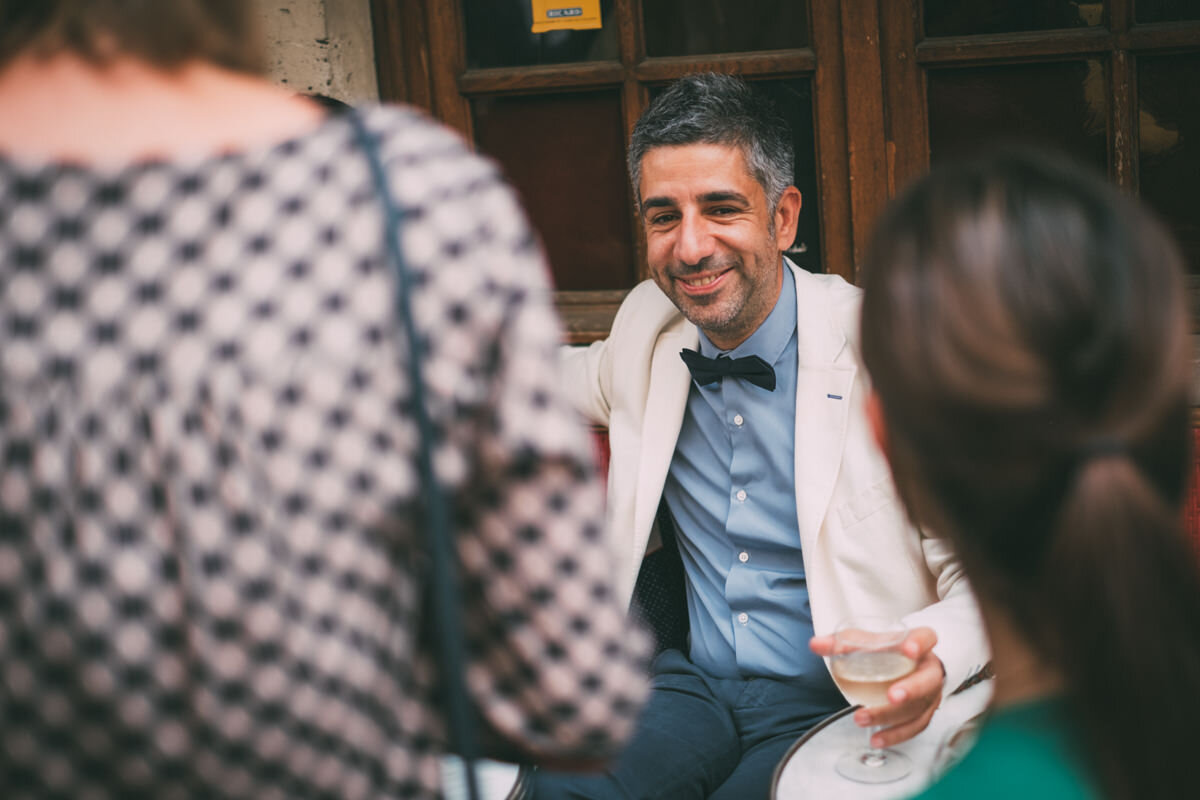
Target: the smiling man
(713, 238)
(735, 406)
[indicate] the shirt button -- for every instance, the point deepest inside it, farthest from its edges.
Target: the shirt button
(743, 617)
(741, 494)
(738, 420)
(743, 556)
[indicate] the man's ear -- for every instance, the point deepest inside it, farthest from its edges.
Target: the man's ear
(787, 213)
(874, 412)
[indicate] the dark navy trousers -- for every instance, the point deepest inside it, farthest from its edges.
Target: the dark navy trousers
(701, 737)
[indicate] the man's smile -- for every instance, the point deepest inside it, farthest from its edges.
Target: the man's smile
(701, 284)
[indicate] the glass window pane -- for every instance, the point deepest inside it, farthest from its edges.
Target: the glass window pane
(565, 153)
(1169, 145)
(793, 98)
(1166, 10)
(498, 35)
(956, 18)
(1063, 106)
(702, 27)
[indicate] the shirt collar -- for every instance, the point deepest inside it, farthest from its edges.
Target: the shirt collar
(771, 338)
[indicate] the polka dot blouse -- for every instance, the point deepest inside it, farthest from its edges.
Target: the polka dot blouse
(211, 583)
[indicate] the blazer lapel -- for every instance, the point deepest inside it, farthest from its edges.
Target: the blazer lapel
(666, 401)
(823, 386)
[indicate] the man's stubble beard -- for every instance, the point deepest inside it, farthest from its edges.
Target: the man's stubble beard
(742, 313)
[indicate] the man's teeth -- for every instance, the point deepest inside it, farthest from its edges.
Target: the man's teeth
(701, 282)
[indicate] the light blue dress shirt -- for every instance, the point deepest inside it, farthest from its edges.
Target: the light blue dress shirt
(731, 491)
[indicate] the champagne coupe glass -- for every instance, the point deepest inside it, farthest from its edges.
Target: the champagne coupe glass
(866, 661)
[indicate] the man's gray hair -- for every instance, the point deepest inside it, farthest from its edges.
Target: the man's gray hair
(708, 108)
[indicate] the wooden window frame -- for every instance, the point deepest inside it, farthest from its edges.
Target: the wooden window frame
(867, 63)
(907, 56)
(409, 34)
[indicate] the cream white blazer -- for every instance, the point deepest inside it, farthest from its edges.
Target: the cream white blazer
(861, 555)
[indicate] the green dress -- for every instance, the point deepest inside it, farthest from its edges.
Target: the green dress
(1023, 751)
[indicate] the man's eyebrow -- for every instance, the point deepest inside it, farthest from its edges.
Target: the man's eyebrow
(725, 197)
(658, 202)
(722, 196)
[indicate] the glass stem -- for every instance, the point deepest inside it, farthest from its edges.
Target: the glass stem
(873, 756)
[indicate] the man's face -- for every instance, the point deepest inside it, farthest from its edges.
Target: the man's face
(711, 245)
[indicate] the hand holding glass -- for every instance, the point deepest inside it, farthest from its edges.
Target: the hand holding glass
(866, 661)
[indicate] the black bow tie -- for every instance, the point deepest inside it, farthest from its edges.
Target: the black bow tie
(710, 370)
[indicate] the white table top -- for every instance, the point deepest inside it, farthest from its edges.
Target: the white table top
(807, 770)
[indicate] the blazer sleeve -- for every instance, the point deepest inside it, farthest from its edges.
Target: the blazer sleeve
(587, 379)
(962, 642)
(589, 373)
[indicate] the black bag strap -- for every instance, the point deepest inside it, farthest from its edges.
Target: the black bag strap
(447, 613)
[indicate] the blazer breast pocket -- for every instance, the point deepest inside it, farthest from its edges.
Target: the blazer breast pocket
(879, 551)
(867, 503)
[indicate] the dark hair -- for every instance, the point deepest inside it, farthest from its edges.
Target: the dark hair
(709, 108)
(332, 105)
(165, 33)
(1027, 331)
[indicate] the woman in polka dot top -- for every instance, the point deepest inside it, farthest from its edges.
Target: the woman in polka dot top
(211, 579)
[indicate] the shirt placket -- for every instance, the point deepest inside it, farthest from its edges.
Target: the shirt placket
(739, 583)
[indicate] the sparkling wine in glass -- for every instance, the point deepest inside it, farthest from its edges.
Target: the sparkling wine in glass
(866, 661)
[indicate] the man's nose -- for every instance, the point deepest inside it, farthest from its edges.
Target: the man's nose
(695, 242)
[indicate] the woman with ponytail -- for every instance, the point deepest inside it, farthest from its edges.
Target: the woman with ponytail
(1027, 333)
